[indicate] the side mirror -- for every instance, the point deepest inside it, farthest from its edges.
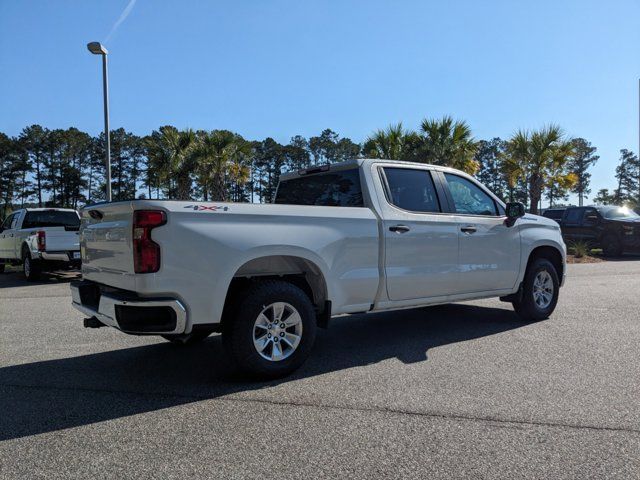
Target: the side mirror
(514, 210)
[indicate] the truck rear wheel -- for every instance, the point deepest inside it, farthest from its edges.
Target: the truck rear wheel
(30, 268)
(271, 331)
(540, 291)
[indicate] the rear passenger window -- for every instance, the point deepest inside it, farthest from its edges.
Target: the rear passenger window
(469, 198)
(573, 215)
(332, 189)
(412, 189)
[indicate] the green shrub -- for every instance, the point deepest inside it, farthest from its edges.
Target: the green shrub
(580, 248)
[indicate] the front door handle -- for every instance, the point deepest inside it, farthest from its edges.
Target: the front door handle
(468, 229)
(399, 229)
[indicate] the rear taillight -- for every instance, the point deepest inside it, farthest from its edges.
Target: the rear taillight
(146, 253)
(42, 240)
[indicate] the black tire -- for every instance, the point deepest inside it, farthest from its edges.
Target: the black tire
(525, 305)
(611, 246)
(238, 329)
(1, 267)
(187, 338)
(30, 268)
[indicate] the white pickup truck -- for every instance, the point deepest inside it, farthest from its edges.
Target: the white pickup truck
(360, 236)
(40, 239)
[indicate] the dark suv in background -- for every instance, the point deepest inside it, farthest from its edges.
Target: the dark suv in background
(614, 229)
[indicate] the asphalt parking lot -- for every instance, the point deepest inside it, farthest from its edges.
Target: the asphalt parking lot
(463, 390)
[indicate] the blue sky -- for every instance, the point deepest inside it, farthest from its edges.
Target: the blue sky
(281, 68)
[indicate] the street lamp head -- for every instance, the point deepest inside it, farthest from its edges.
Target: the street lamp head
(97, 48)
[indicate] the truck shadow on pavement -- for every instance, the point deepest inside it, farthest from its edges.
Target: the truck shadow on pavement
(16, 279)
(63, 393)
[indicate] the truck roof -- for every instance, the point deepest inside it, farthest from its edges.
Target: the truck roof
(358, 162)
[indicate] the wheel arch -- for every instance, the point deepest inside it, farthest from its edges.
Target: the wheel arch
(297, 270)
(551, 253)
(24, 247)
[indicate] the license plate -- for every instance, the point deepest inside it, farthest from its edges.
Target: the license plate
(76, 255)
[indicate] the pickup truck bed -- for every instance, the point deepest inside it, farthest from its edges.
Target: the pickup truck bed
(368, 235)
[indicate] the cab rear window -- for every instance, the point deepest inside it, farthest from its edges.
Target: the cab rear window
(51, 218)
(331, 189)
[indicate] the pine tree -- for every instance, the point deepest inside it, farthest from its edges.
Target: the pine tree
(628, 176)
(583, 159)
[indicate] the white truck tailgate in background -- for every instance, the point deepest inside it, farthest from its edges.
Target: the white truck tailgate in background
(58, 239)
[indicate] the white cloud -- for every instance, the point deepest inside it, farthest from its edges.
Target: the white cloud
(123, 16)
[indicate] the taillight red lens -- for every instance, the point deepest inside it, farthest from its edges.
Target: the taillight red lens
(146, 253)
(42, 240)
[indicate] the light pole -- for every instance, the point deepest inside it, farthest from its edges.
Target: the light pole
(97, 49)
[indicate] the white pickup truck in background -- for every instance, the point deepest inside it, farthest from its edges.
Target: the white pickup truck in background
(40, 239)
(361, 236)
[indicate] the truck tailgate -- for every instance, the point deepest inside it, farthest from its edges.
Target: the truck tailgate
(106, 244)
(60, 240)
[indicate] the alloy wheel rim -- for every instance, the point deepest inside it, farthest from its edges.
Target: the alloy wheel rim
(277, 331)
(543, 289)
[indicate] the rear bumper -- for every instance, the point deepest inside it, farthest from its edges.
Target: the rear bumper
(63, 256)
(127, 312)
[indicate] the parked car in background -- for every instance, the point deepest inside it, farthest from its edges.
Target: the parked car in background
(361, 236)
(614, 229)
(40, 239)
(554, 213)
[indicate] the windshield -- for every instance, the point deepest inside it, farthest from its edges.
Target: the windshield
(51, 218)
(617, 213)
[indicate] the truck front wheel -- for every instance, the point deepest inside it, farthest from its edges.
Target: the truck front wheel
(271, 330)
(540, 291)
(611, 246)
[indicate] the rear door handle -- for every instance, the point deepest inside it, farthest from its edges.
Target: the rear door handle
(399, 229)
(468, 229)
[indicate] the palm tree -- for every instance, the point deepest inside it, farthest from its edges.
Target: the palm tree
(516, 158)
(560, 180)
(171, 158)
(539, 156)
(448, 142)
(222, 156)
(394, 143)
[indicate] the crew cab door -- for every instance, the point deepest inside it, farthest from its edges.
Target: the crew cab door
(489, 250)
(590, 228)
(421, 241)
(571, 226)
(7, 236)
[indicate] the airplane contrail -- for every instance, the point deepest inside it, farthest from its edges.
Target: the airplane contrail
(123, 16)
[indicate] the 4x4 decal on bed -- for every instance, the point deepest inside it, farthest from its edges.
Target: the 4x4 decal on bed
(212, 208)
